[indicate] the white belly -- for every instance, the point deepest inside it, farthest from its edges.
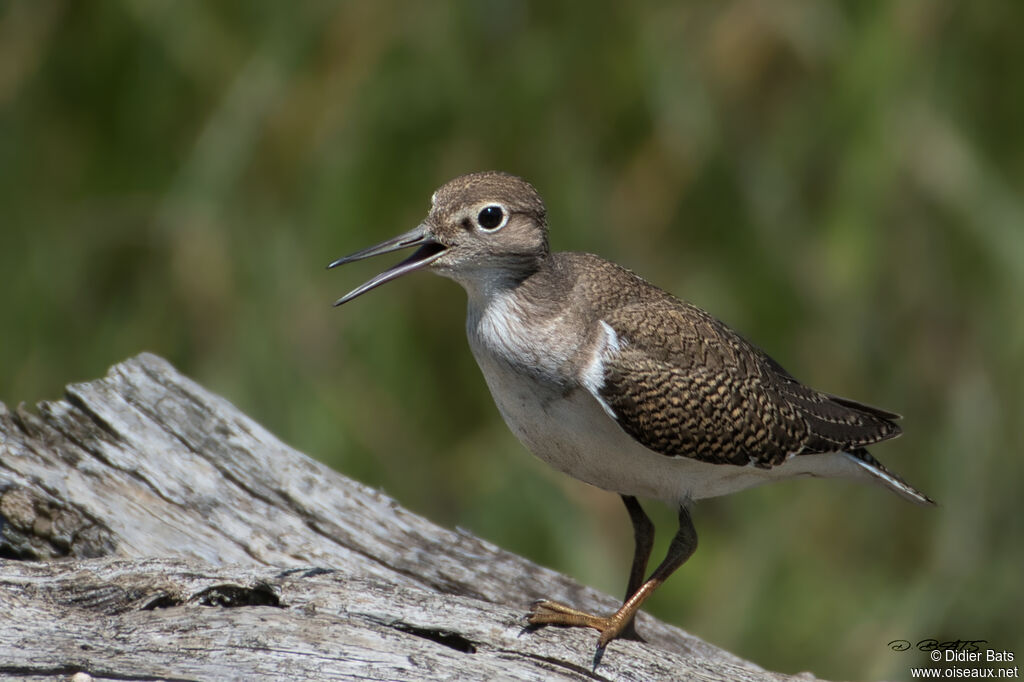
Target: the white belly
(573, 434)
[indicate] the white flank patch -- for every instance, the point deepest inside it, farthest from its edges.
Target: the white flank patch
(593, 373)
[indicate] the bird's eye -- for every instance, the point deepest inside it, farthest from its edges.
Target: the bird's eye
(491, 218)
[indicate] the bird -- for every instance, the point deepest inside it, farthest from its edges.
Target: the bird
(620, 384)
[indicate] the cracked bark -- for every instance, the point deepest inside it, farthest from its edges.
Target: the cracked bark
(149, 530)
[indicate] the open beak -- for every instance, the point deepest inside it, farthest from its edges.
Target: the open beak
(429, 251)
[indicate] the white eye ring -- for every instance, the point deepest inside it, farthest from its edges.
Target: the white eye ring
(492, 218)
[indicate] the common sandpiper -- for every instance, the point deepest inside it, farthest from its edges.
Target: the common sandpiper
(618, 383)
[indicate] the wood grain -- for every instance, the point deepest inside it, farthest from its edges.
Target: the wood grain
(150, 530)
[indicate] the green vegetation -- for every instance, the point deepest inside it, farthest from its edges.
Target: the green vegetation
(841, 181)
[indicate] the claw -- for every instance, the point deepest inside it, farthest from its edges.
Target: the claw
(546, 612)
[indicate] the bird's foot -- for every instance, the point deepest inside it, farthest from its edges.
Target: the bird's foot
(619, 624)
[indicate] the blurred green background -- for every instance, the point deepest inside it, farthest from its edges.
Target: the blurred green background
(840, 181)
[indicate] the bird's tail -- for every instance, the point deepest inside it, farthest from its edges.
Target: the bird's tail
(890, 480)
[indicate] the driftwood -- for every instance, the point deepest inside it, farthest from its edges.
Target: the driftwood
(136, 512)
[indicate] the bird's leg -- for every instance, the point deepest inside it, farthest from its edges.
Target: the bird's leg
(683, 545)
(643, 537)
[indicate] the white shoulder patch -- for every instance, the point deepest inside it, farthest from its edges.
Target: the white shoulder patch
(593, 372)
(611, 338)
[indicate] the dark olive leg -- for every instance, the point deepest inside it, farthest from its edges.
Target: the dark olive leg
(643, 537)
(552, 613)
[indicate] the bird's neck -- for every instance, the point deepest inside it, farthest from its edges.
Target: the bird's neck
(487, 284)
(524, 323)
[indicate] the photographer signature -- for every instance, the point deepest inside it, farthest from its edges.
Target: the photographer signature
(926, 645)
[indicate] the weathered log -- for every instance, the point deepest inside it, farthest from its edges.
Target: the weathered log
(137, 510)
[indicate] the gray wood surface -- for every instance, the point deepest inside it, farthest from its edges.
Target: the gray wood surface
(150, 530)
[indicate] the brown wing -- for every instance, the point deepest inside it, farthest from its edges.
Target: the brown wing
(684, 384)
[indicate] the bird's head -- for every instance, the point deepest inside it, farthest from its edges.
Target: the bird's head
(483, 230)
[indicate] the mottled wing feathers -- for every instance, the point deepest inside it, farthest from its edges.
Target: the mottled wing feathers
(684, 384)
